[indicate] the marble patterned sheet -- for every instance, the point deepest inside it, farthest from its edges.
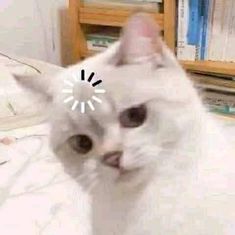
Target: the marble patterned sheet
(36, 196)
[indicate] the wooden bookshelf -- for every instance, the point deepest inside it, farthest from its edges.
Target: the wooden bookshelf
(113, 16)
(100, 15)
(215, 67)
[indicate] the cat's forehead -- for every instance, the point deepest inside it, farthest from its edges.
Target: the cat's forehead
(124, 85)
(126, 93)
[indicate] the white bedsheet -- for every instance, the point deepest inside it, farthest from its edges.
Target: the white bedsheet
(36, 196)
(18, 106)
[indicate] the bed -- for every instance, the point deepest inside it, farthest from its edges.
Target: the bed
(36, 196)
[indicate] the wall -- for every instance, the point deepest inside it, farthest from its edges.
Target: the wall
(33, 28)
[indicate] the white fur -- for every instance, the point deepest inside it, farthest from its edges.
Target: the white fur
(181, 171)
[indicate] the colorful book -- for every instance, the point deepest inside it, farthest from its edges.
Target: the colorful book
(201, 20)
(206, 30)
(193, 24)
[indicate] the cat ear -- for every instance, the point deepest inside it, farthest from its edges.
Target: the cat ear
(38, 84)
(141, 39)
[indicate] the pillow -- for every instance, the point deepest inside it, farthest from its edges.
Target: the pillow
(18, 107)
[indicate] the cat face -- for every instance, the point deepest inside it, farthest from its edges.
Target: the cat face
(142, 116)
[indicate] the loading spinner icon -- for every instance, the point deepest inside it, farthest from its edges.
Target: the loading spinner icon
(76, 104)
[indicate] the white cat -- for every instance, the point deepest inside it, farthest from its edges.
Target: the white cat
(151, 157)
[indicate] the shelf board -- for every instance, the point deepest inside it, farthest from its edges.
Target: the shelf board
(215, 67)
(88, 53)
(111, 16)
(213, 81)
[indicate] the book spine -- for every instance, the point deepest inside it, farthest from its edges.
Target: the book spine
(226, 26)
(233, 34)
(216, 48)
(151, 1)
(230, 48)
(209, 28)
(184, 50)
(199, 30)
(195, 26)
(180, 33)
(192, 35)
(205, 13)
(99, 42)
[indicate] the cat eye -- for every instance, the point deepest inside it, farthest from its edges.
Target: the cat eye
(133, 117)
(81, 143)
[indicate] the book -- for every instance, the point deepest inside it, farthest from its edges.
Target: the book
(200, 30)
(193, 24)
(206, 30)
(184, 50)
(205, 15)
(219, 28)
(219, 102)
(99, 42)
(217, 93)
(145, 4)
(230, 44)
(216, 88)
(226, 27)
(209, 28)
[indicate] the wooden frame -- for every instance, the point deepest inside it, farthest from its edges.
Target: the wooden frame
(77, 35)
(93, 14)
(170, 23)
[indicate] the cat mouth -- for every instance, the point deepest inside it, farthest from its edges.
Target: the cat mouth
(124, 173)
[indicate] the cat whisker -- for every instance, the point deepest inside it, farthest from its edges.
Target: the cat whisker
(89, 184)
(92, 185)
(81, 176)
(87, 176)
(177, 151)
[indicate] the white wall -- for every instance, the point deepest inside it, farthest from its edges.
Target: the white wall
(31, 28)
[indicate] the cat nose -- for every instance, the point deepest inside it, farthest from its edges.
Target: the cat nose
(112, 159)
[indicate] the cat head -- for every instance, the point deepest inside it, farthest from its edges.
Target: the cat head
(147, 105)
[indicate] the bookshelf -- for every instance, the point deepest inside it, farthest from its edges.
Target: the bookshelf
(107, 15)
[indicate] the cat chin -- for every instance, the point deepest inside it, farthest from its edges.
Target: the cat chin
(125, 179)
(134, 179)
(128, 175)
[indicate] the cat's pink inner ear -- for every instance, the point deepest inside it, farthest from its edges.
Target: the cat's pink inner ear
(142, 26)
(141, 38)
